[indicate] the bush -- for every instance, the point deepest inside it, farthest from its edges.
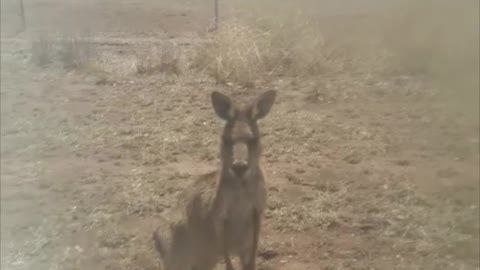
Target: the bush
(71, 53)
(76, 53)
(41, 51)
(163, 59)
(244, 52)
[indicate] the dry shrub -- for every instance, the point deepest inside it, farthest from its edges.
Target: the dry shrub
(436, 39)
(299, 47)
(234, 54)
(163, 59)
(71, 53)
(41, 51)
(76, 53)
(244, 52)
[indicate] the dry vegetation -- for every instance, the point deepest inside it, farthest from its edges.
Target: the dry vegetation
(164, 59)
(70, 52)
(244, 52)
(413, 38)
(371, 151)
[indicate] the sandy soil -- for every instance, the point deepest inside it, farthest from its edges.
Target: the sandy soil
(362, 175)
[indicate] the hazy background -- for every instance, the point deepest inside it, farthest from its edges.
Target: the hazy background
(371, 149)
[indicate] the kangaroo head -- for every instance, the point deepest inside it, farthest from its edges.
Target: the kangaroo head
(240, 146)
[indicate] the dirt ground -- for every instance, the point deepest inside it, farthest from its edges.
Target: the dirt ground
(380, 174)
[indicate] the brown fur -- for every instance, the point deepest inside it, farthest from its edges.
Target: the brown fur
(221, 214)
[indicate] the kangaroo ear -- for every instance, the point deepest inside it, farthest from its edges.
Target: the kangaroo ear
(159, 245)
(263, 104)
(222, 105)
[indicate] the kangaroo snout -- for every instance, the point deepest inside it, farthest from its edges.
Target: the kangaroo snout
(240, 158)
(239, 167)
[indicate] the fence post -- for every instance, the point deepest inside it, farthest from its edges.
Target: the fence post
(22, 17)
(216, 14)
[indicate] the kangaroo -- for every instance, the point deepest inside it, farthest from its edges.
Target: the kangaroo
(221, 214)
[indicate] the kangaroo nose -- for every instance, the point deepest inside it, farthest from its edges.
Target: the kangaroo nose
(239, 167)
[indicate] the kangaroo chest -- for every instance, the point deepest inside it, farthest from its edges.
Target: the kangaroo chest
(244, 201)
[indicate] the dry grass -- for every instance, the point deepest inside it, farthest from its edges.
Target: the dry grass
(409, 39)
(234, 54)
(76, 53)
(245, 52)
(70, 52)
(41, 51)
(160, 59)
